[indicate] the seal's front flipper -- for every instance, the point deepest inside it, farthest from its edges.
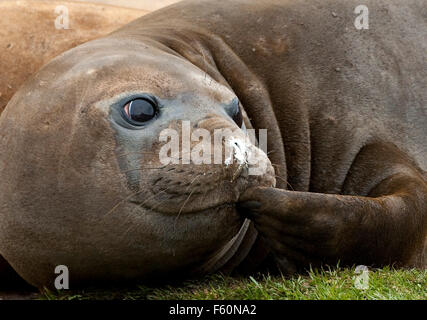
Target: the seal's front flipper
(381, 220)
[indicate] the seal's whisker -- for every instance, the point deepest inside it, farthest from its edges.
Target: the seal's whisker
(148, 152)
(204, 195)
(132, 195)
(270, 152)
(153, 196)
(135, 152)
(145, 168)
(200, 174)
(278, 166)
(186, 200)
(284, 180)
(159, 203)
(180, 210)
(120, 202)
(135, 225)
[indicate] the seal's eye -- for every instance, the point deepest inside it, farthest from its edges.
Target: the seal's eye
(237, 117)
(139, 111)
(234, 111)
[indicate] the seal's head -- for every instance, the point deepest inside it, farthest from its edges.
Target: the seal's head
(83, 178)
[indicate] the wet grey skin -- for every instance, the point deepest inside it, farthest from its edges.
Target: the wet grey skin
(346, 115)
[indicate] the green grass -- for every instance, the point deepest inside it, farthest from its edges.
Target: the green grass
(333, 284)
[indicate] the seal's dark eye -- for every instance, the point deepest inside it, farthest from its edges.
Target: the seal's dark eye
(139, 111)
(237, 117)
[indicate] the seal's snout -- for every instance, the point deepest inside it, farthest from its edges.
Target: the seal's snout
(211, 173)
(241, 155)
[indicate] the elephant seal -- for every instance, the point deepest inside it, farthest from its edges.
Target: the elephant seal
(29, 39)
(81, 182)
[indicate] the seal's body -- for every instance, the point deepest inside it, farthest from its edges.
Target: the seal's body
(346, 116)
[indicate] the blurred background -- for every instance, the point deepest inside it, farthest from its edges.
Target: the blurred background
(148, 5)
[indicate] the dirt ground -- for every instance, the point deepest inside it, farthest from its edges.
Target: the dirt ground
(149, 5)
(29, 38)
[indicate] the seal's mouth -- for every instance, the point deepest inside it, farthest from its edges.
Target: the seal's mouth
(209, 209)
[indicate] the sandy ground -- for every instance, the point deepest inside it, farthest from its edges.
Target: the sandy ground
(149, 5)
(29, 39)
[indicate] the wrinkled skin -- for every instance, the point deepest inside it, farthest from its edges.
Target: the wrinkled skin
(98, 200)
(345, 113)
